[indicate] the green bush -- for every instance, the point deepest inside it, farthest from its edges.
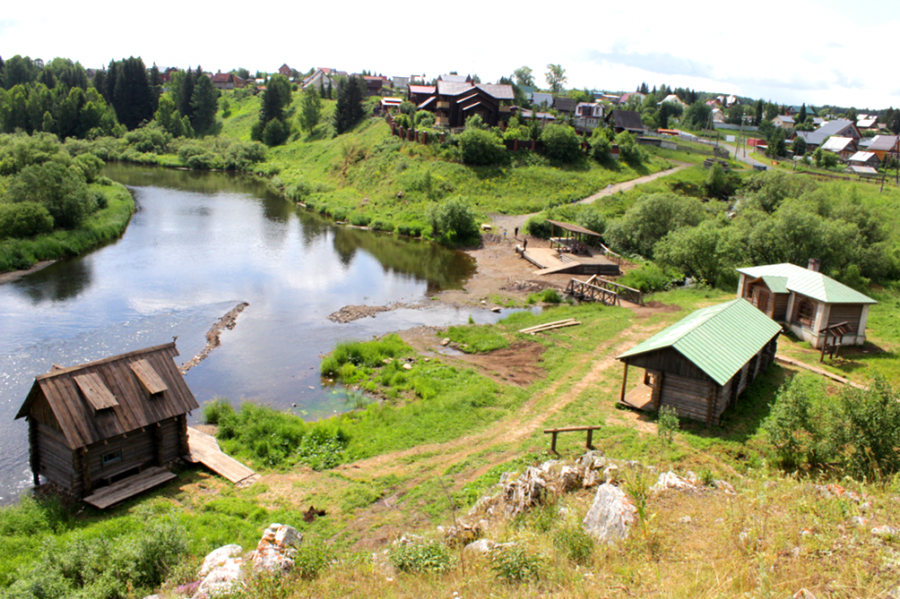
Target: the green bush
(359, 219)
(548, 296)
(514, 564)
(629, 150)
(479, 147)
(421, 556)
(276, 132)
(575, 544)
(24, 220)
(311, 559)
(104, 567)
(382, 225)
(455, 219)
(651, 277)
(61, 190)
(561, 143)
(411, 229)
(667, 424)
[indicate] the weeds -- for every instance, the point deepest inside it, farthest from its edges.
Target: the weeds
(667, 424)
(514, 564)
(421, 556)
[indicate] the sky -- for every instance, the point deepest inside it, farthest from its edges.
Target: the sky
(806, 51)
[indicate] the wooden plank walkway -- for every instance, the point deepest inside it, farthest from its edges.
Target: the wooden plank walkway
(129, 487)
(819, 371)
(205, 450)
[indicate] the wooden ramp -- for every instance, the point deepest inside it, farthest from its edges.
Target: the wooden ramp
(129, 487)
(205, 450)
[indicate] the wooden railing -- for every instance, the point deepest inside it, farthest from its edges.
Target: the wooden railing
(635, 296)
(612, 256)
(583, 290)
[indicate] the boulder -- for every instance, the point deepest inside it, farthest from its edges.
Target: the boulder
(481, 546)
(610, 516)
(276, 549)
(221, 580)
(218, 558)
(670, 480)
(886, 532)
(461, 533)
(592, 460)
(591, 478)
(525, 492)
(569, 479)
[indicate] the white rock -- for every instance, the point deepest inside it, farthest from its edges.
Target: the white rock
(610, 474)
(569, 478)
(592, 460)
(445, 341)
(481, 546)
(407, 366)
(222, 579)
(590, 479)
(670, 480)
(610, 515)
(276, 549)
(218, 558)
(886, 532)
(724, 486)
(685, 519)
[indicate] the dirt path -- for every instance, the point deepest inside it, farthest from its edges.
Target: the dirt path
(508, 223)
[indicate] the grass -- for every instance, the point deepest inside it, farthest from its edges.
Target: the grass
(475, 339)
(101, 227)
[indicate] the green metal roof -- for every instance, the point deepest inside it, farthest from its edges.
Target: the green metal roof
(776, 284)
(809, 283)
(719, 340)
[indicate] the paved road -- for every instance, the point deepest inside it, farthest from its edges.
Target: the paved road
(511, 221)
(744, 156)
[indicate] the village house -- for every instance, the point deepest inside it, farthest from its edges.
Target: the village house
(844, 147)
(400, 83)
(542, 100)
(454, 78)
(565, 105)
(285, 71)
(806, 301)
(700, 365)
(867, 122)
(227, 81)
(784, 121)
(454, 102)
(885, 146)
(672, 99)
(419, 94)
(624, 98)
(97, 423)
(321, 78)
(626, 120)
(865, 159)
(840, 128)
(374, 85)
(588, 116)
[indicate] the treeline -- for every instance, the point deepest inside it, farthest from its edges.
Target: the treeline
(60, 98)
(776, 218)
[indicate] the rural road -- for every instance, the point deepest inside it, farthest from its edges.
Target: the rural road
(511, 221)
(747, 159)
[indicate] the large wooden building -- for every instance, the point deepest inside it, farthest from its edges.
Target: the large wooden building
(701, 364)
(97, 423)
(807, 302)
(454, 102)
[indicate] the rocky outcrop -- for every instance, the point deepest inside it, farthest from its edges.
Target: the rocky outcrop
(220, 572)
(276, 549)
(611, 515)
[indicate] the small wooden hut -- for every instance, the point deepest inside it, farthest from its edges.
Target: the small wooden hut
(701, 364)
(108, 421)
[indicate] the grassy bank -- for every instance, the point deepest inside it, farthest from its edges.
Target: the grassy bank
(442, 434)
(102, 226)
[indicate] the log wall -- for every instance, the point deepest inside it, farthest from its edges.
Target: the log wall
(55, 461)
(689, 396)
(849, 313)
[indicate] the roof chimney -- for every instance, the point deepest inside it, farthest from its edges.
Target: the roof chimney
(814, 264)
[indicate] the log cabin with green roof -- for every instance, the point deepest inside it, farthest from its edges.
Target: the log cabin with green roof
(808, 303)
(700, 365)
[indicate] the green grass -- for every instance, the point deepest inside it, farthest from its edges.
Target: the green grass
(101, 227)
(474, 339)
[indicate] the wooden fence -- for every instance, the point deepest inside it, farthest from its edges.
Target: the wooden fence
(612, 256)
(585, 291)
(635, 296)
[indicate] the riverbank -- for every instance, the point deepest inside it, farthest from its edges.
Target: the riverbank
(19, 257)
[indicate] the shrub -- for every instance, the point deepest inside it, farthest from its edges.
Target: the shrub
(311, 559)
(359, 219)
(867, 431)
(382, 225)
(515, 564)
(24, 220)
(479, 147)
(667, 424)
(575, 544)
(537, 226)
(601, 149)
(548, 296)
(420, 557)
(61, 190)
(454, 218)
(561, 143)
(651, 277)
(276, 132)
(411, 229)
(424, 119)
(89, 166)
(791, 426)
(629, 150)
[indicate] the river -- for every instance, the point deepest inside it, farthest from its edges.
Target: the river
(199, 244)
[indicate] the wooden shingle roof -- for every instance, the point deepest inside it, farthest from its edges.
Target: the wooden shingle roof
(110, 397)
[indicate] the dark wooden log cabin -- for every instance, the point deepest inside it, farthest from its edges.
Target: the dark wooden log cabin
(94, 424)
(701, 364)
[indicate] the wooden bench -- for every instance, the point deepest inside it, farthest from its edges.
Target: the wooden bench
(568, 429)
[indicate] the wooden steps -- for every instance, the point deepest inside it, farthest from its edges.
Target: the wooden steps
(129, 487)
(205, 450)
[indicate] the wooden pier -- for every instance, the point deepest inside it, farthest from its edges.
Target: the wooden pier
(553, 261)
(205, 450)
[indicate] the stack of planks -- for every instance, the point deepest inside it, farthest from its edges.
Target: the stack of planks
(549, 326)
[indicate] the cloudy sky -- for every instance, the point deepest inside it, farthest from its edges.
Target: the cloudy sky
(813, 51)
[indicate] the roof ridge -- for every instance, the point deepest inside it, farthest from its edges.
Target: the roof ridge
(61, 371)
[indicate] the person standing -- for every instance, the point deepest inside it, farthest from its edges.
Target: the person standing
(516, 232)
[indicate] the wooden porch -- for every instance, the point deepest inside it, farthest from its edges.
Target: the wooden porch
(129, 487)
(645, 396)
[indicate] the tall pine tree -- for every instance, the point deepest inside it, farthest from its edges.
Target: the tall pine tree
(348, 111)
(133, 98)
(204, 105)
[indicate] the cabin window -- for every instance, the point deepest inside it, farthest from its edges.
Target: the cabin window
(112, 457)
(806, 311)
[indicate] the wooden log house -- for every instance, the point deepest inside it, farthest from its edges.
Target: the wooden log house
(701, 364)
(98, 423)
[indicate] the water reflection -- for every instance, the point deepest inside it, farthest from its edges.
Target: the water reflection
(58, 282)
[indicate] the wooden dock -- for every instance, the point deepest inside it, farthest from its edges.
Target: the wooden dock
(129, 487)
(551, 261)
(205, 450)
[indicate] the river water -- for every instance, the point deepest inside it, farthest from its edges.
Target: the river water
(199, 244)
